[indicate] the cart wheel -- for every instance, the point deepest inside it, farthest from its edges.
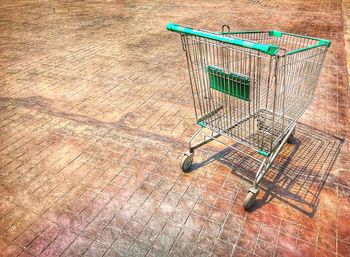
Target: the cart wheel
(291, 137)
(249, 200)
(186, 161)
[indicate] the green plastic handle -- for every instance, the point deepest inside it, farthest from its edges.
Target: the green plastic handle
(267, 49)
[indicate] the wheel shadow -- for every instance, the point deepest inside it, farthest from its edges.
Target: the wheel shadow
(298, 173)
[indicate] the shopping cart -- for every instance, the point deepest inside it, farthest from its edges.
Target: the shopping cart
(252, 87)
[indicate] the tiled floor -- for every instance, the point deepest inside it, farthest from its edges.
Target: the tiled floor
(96, 110)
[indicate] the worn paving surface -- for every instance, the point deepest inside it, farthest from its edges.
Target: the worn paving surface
(95, 112)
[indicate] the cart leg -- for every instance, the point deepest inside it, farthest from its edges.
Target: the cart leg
(186, 161)
(250, 198)
(254, 190)
(265, 165)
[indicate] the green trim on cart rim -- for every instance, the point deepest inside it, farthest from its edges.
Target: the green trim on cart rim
(241, 32)
(325, 42)
(304, 49)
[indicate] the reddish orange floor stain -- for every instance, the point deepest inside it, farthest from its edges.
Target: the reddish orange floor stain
(96, 110)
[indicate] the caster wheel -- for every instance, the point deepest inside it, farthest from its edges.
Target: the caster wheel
(291, 137)
(250, 199)
(186, 161)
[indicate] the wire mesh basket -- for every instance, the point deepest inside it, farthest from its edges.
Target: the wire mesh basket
(250, 86)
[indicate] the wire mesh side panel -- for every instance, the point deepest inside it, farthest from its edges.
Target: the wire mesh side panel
(230, 86)
(298, 75)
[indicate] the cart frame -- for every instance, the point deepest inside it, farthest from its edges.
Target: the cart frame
(252, 87)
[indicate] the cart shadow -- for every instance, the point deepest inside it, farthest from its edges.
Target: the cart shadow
(297, 175)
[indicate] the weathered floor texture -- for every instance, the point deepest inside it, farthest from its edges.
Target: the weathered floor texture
(96, 111)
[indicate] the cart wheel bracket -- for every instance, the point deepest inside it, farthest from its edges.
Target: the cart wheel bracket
(291, 137)
(186, 161)
(250, 198)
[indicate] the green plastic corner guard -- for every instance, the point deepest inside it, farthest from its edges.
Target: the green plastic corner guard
(262, 152)
(264, 48)
(201, 123)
